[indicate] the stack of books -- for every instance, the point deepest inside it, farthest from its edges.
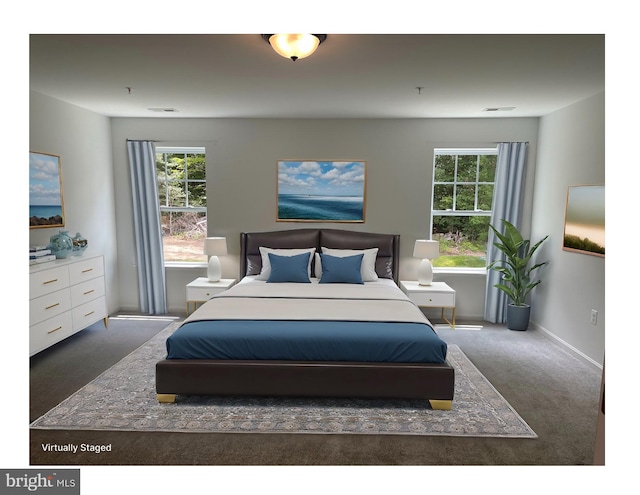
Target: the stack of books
(40, 254)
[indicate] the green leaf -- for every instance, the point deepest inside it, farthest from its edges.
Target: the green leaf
(515, 267)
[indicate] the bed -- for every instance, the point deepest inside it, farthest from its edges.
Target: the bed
(316, 313)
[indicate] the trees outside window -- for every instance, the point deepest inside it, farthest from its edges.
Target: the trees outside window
(182, 193)
(462, 196)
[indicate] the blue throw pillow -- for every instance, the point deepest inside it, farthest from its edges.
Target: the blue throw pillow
(289, 268)
(341, 270)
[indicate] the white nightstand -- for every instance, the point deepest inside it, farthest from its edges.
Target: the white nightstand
(201, 290)
(436, 295)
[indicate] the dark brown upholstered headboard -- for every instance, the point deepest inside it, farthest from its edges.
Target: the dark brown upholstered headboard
(387, 262)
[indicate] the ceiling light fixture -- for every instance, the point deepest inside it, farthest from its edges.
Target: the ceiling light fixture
(294, 46)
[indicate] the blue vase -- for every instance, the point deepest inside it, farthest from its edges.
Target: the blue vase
(61, 244)
(79, 245)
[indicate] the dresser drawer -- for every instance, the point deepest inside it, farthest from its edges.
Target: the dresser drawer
(87, 291)
(47, 333)
(49, 305)
(48, 281)
(434, 299)
(86, 270)
(89, 313)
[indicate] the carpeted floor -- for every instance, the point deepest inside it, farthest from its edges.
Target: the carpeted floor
(123, 399)
(555, 391)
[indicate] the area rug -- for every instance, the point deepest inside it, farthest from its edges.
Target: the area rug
(123, 398)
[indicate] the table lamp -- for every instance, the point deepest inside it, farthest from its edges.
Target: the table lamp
(214, 247)
(427, 251)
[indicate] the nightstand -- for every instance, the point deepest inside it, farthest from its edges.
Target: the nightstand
(201, 290)
(436, 295)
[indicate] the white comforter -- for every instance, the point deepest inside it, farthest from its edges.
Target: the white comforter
(253, 299)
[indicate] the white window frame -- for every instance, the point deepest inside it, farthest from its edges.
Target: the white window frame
(454, 212)
(199, 209)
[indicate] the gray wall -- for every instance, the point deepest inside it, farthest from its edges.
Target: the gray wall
(82, 139)
(571, 152)
(241, 176)
(566, 148)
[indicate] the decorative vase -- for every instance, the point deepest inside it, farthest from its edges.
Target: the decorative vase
(518, 317)
(61, 244)
(79, 245)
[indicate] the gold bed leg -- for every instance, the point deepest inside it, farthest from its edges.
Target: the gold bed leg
(166, 398)
(442, 405)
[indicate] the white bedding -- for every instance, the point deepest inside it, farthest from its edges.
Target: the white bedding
(381, 300)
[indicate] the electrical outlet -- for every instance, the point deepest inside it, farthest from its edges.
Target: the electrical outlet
(594, 317)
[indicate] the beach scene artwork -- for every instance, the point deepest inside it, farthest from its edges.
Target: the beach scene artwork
(321, 191)
(46, 207)
(584, 228)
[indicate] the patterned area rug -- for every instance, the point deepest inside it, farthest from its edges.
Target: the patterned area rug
(123, 398)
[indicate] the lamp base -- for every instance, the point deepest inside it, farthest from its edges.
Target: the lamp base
(425, 272)
(214, 270)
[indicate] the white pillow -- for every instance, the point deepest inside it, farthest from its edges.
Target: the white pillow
(367, 269)
(266, 266)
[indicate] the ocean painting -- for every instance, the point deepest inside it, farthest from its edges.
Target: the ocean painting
(321, 191)
(45, 191)
(584, 228)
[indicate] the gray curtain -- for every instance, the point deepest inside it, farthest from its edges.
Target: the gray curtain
(507, 204)
(148, 234)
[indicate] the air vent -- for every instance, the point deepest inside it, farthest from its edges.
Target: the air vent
(163, 110)
(498, 109)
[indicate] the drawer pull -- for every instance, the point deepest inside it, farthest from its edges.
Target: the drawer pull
(88, 292)
(87, 270)
(50, 281)
(89, 313)
(52, 306)
(54, 330)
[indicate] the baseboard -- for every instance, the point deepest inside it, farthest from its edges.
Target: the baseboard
(550, 334)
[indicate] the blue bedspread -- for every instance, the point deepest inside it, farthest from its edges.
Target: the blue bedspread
(307, 341)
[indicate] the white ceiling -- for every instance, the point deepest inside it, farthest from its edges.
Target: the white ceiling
(349, 76)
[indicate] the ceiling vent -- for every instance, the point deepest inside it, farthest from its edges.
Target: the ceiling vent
(163, 110)
(498, 109)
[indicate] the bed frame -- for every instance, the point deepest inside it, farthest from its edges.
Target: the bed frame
(432, 382)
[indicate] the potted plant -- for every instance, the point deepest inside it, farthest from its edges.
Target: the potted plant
(517, 272)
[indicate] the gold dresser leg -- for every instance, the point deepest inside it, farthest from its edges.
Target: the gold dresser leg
(166, 398)
(442, 405)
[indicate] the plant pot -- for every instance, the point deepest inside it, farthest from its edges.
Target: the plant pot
(518, 317)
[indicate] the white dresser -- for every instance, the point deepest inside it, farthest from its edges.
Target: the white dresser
(65, 296)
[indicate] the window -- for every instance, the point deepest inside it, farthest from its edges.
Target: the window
(182, 192)
(463, 182)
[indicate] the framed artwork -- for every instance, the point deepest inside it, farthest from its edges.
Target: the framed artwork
(321, 191)
(584, 220)
(46, 207)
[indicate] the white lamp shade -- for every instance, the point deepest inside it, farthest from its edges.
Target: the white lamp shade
(426, 249)
(215, 246)
(294, 46)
